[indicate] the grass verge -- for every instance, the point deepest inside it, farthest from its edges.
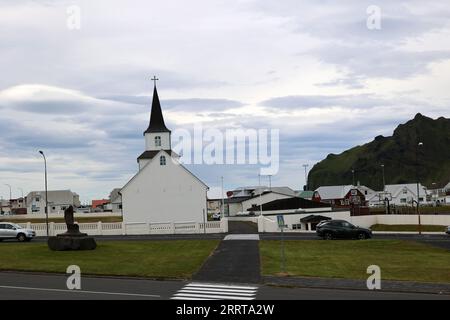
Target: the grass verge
(154, 259)
(407, 227)
(398, 260)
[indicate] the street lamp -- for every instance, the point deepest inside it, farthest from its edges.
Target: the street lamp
(10, 197)
(306, 176)
(46, 190)
(420, 144)
(353, 177)
(384, 181)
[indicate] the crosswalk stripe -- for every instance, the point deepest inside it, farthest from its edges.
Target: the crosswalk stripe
(215, 292)
(219, 291)
(221, 286)
(213, 296)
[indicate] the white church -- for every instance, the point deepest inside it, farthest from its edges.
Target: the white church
(163, 190)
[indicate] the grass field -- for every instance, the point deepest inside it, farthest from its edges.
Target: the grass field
(61, 220)
(407, 227)
(158, 259)
(398, 260)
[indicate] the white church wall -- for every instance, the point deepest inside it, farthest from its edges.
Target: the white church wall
(161, 193)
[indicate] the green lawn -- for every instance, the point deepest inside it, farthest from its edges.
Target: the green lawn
(159, 259)
(407, 227)
(398, 260)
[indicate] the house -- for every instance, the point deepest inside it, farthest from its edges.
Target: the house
(163, 190)
(242, 199)
(58, 201)
(405, 194)
(342, 196)
(115, 200)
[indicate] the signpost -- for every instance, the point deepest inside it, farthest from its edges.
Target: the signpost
(281, 225)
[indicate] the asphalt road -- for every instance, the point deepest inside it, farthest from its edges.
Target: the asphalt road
(53, 287)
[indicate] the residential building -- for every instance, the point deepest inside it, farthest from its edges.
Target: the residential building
(58, 201)
(343, 196)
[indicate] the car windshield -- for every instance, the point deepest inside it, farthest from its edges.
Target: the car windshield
(16, 226)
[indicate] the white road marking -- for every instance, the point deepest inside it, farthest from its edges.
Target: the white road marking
(82, 291)
(242, 237)
(207, 291)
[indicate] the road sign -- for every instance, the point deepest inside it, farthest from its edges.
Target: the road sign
(280, 219)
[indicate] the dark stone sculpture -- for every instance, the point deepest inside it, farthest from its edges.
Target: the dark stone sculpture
(72, 239)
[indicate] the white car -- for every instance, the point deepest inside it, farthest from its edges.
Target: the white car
(216, 216)
(10, 230)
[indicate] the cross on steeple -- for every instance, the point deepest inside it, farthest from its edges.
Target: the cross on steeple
(154, 79)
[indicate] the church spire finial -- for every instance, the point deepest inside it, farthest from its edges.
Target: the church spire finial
(154, 79)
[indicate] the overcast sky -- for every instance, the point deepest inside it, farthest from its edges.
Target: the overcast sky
(309, 68)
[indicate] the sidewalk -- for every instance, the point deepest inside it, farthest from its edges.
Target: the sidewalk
(338, 283)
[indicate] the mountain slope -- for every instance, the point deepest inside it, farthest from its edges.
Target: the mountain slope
(397, 153)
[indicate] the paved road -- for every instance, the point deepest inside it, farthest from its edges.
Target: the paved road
(53, 287)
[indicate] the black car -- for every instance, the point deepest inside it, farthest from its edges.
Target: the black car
(341, 229)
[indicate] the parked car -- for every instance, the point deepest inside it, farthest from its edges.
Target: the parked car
(341, 229)
(448, 230)
(216, 216)
(13, 231)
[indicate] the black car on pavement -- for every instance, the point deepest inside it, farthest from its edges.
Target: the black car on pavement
(341, 229)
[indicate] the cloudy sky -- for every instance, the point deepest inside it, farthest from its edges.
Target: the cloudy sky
(312, 69)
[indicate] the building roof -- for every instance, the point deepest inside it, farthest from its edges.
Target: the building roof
(306, 194)
(151, 154)
(334, 192)
(156, 117)
(314, 218)
(291, 203)
(395, 189)
(236, 199)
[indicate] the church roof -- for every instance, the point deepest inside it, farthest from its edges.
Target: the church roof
(156, 117)
(151, 154)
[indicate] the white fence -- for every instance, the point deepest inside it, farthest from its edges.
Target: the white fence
(120, 228)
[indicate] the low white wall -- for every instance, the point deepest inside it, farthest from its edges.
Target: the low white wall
(270, 224)
(121, 228)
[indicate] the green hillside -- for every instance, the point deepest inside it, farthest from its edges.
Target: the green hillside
(397, 153)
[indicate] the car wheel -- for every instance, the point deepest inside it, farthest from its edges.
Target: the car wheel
(21, 237)
(328, 236)
(362, 236)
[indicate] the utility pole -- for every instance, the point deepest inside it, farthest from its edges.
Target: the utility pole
(23, 199)
(260, 193)
(306, 176)
(384, 182)
(419, 144)
(270, 182)
(223, 201)
(46, 191)
(353, 177)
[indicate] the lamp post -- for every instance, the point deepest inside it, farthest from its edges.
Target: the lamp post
(10, 197)
(353, 177)
(419, 144)
(384, 181)
(46, 190)
(306, 176)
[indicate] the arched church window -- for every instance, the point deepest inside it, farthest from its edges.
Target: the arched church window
(162, 160)
(158, 141)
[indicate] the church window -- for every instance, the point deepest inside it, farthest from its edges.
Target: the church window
(162, 160)
(158, 141)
